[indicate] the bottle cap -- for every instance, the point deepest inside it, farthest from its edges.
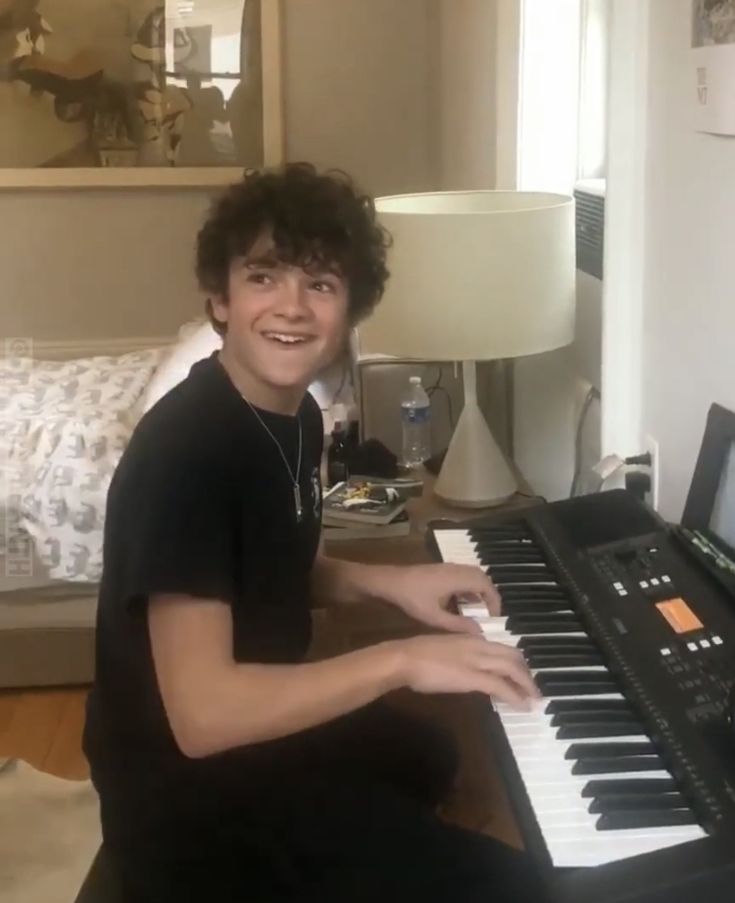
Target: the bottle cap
(415, 380)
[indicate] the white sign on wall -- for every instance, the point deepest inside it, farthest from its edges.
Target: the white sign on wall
(713, 53)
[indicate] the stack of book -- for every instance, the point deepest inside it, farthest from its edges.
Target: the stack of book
(366, 509)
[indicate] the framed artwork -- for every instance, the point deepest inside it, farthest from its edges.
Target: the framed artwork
(97, 93)
(713, 53)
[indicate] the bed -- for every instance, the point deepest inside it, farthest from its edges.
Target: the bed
(63, 428)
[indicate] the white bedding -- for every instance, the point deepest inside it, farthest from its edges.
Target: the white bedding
(63, 428)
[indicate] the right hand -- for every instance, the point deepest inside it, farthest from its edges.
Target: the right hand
(456, 663)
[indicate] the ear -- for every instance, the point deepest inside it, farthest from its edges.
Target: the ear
(219, 309)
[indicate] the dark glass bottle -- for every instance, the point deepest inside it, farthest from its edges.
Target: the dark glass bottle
(337, 469)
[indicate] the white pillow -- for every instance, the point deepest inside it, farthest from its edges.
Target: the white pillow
(196, 341)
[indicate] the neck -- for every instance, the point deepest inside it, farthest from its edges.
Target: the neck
(267, 398)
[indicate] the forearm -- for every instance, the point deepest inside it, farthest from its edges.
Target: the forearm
(350, 582)
(244, 704)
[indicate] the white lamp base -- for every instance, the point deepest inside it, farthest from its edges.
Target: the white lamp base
(475, 473)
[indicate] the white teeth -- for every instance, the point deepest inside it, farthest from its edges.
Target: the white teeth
(286, 339)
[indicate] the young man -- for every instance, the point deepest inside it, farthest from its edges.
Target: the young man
(228, 768)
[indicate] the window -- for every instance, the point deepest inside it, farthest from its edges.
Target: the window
(563, 93)
(593, 89)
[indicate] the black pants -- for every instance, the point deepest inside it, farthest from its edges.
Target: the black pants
(343, 812)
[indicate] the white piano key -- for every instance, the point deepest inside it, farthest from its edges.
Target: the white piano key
(577, 850)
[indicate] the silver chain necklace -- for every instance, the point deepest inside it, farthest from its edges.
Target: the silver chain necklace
(298, 507)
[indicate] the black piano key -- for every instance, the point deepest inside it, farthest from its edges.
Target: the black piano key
(570, 689)
(594, 681)
(589, 730)
(567, 719)
(600, 789)
(517, 581)
(524, 562)
(559, 706)
(576, 643)
(511, 598)
(632, 802)
(508, 559)
(556, 619)
(532, 591)
(518, 537)
(560, 619)
(528, 628)
(654, 818)
(522, 569)
(501, 534)
(508, 545)
(539, 599)
(559, 660)
(578, 676)
(612, 766)
(609, 750)
(533, 607)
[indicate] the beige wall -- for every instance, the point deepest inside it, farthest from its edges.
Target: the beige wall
(108, 264)
(467, 93)
(358, 95)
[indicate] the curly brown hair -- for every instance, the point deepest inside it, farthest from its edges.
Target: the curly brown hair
(315, 218)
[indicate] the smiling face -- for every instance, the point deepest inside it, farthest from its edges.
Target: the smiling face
(284, 325)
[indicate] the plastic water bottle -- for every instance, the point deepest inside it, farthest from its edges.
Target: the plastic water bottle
(416, 424)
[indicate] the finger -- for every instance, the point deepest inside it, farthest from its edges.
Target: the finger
(492, 599)
(487, 651)
(453, 623)
(501, 690)
(512, 668)
(476, 583)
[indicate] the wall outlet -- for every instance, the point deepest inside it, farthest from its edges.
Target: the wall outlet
(651, 446)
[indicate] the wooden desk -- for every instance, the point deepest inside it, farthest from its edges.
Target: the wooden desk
(481, 803)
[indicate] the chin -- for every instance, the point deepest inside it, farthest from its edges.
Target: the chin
(291, 381)
(294, 377)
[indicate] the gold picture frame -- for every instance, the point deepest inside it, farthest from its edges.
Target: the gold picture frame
(138, 176)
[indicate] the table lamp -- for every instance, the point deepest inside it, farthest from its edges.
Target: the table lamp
(475, 276)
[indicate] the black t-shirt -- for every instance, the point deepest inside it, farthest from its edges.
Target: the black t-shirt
(201, 503)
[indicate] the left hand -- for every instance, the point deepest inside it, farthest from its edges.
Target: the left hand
(425, 591)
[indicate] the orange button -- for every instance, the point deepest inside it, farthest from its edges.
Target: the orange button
(680, 617)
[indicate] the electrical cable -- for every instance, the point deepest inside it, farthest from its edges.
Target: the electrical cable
(592, 395)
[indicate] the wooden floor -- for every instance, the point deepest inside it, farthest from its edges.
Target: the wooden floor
(44, 727)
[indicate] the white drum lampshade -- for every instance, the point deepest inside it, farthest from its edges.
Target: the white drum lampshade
(475, 275)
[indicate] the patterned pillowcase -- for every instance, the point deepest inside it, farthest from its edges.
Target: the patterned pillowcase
(63, 428)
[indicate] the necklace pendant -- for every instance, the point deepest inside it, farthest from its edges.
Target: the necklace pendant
(297, 503)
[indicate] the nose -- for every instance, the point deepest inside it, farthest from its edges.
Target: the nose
(293, 299)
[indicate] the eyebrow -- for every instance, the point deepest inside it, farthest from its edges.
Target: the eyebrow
(271, 261)
(268, 261)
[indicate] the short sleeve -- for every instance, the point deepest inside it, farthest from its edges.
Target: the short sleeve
(172, 531)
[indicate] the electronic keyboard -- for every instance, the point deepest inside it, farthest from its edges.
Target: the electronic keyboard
(623, 776)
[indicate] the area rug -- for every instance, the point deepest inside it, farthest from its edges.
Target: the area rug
(49, 834)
